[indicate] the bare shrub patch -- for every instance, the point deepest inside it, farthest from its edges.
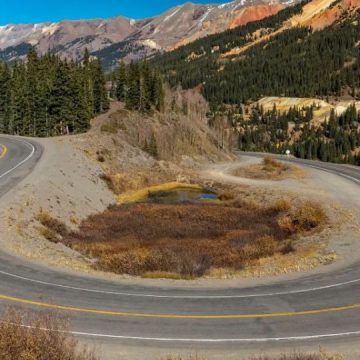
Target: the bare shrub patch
(270, 169)
(189, 240)
(44, 337)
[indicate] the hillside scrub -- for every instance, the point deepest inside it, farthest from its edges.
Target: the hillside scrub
(33, 342)
(180, 130)
(137, 150)
(188, 240)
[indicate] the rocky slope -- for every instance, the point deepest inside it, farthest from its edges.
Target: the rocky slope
(316, 14)
(120, 37)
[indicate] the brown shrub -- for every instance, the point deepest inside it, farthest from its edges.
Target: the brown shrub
(282, 205)
(180, 357)
(308, 216)
(33, 342)
(294, 356)
(54, 226)
(270, 164)
(109, 181)
(300, 356)
(226, 196)
(49, 235)
(183, 239)
(100, 158)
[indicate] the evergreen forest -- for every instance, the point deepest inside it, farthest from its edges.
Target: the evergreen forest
(139, 86)
(48, 96)
(334, 140)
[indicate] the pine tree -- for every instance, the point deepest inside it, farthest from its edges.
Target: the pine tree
(5, 98)
(121, 82)
(101, 100)
(132, 99)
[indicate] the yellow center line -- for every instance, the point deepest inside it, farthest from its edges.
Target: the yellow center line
(174, 316)
(4, 150)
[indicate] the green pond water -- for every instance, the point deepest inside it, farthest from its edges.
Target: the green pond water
(179, 196)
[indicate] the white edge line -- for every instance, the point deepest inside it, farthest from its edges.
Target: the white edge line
(256, 340)
(23, 161)
(198, 340)
(182, 296)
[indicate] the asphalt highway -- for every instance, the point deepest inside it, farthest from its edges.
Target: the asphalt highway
(322, 308)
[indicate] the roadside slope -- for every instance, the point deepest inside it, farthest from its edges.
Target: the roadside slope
(65, 184)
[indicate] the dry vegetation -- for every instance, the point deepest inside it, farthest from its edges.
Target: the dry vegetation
(270, 169)
(187, 240)
(35, 342)
(321, 355)
(301, 356)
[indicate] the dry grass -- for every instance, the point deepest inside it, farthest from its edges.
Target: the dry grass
(18, 342)
(141, 194)
(164, 275)
(321, 355)
(309, 216)
(300, 356)
(53, 229)
(304, 218)
(109, 180)
(270, 169)
(282, 204)
(270, 164)
(187, 240)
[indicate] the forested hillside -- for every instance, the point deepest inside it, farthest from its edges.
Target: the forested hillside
(336, 140)
(235, 69)
(295, 62)
(47, 96)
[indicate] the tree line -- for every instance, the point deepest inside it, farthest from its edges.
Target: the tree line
(48, 96)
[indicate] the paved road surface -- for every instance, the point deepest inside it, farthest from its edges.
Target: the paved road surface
(317, 309)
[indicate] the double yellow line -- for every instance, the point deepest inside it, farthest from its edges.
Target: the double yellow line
(4, 151)
(174, 316)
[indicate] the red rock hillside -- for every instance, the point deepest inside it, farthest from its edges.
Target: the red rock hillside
(256, 12)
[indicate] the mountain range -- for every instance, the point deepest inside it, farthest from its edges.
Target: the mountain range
(128, 39)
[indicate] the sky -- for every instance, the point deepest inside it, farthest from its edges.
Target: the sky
(35, 11)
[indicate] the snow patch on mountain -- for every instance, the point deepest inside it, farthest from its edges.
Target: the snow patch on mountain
(49, 29)
(203, 18)
(151, 44)
(222, 6)
(172, 14)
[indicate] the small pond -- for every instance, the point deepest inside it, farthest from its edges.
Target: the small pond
(180, 195)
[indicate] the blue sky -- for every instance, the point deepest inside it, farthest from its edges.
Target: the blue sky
(34, 11)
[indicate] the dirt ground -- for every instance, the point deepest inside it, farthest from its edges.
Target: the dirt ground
(70, 190)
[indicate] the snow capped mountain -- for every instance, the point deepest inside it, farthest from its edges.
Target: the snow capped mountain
(122, 38)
